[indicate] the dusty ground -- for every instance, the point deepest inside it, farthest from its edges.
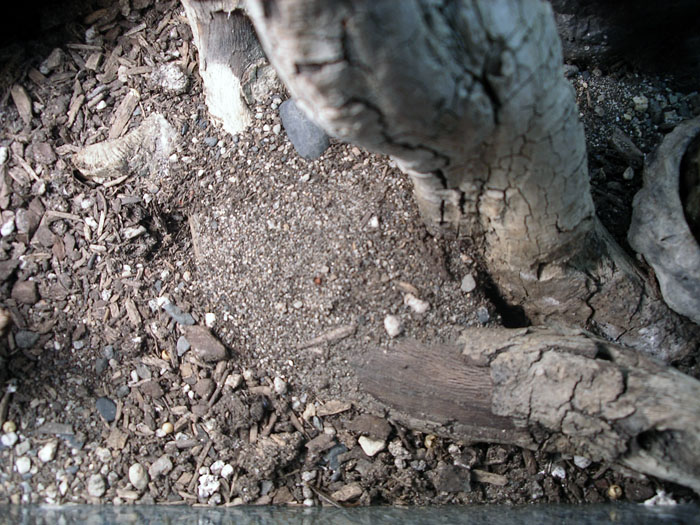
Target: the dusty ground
(269, 251)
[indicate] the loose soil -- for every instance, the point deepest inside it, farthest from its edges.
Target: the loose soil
(292, 264)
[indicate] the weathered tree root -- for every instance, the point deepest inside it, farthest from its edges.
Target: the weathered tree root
(659, 229)
(562, 391)
(233, 67)
(602, 289)
(138, 152)
(470, 100)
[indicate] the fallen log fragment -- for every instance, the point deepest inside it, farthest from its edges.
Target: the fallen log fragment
(563, 391)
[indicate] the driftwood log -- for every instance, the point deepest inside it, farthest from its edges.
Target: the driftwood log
(469, 98)
(569, 392)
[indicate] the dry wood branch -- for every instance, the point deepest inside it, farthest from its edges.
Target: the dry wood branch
(564, 391)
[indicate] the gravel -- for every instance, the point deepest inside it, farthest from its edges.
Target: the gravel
(96, 486)
(107, 408)
(392, 325)
(48, 452)
(138, 476)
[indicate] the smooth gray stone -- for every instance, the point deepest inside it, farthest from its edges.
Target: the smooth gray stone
(308, 139)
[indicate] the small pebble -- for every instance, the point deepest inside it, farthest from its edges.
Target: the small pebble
(208, 485)
(96, 486)
(209, 319)
(628, 173)
(211, 141)
(468, 283)
(482, 314)
(9, 439)
(26, 339)
(392, 325)
(582, 462)
(183, 346)
(160, 467)
(204, 345)
(103, 454)
(22, 447)
(167, 428)
(373, 222)
(8, 227)
(23, 465)
(641, 103)
(48, 452)
(138, 476)
(178, 315)
(417, 305)
(280, 386)
(216, 467)
(559, 472)
(226, 471)
(107, 408)
(9, 426)
(371, 446)
(308, 475)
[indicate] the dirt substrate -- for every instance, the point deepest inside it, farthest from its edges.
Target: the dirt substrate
(293, 265)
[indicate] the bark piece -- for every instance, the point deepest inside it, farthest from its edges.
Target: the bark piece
(564, 391)
(142, 150)
(347, 492)
(23, 103)
(122, 115)
(659, 229)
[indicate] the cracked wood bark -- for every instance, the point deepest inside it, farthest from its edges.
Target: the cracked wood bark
(569, 392)
(469, 98)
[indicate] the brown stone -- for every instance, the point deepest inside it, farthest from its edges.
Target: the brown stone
(152, 389)
(25, 292)
(205, 346)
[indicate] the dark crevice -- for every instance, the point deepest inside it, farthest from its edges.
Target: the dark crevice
(513, 316)
(602, 352)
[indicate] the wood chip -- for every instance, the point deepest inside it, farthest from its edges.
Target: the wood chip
(331, 336)
(117, 439)
(407, 288)
(135, 29)
(26, 167)
(24, 104)
(122, 115)
(36, 76)
(93, 61)
(132, 312)
(74, 108)
(483, 476)
(347, 492)
(333, 407)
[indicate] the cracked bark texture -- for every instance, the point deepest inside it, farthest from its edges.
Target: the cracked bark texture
(563, 391)
(469, 98)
